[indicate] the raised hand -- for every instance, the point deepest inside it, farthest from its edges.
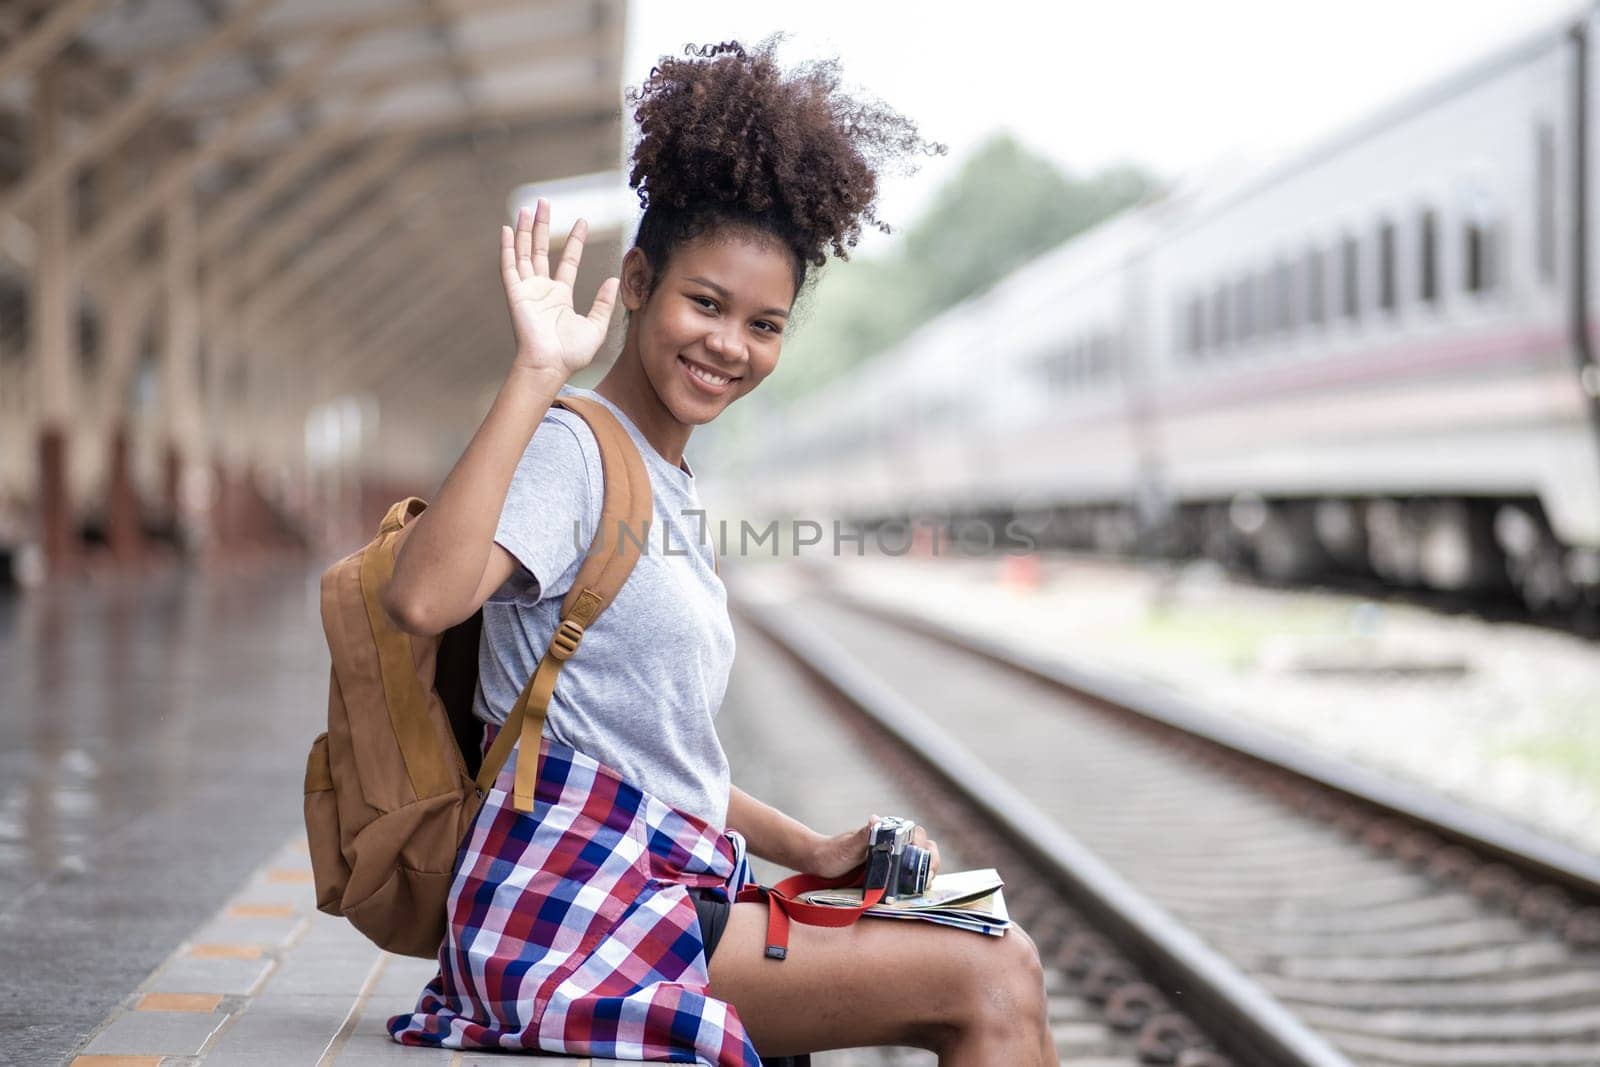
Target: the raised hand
(551, 337)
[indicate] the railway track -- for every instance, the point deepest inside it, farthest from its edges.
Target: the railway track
(1221, 894)
(778, 724)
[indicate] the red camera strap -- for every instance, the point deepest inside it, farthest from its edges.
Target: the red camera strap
(783, 905)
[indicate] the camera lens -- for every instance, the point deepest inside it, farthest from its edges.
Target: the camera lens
(913, 871)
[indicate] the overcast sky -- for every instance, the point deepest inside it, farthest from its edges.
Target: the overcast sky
(1177, 85)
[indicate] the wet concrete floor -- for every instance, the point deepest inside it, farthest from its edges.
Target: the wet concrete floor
(153, 734)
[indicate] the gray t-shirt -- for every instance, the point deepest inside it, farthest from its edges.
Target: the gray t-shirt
(643, 689)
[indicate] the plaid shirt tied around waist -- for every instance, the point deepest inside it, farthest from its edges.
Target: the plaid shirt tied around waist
(571, 928)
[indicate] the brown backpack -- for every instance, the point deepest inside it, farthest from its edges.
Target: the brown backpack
(394, 784)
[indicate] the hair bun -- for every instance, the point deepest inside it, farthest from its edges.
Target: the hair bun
(725, 128)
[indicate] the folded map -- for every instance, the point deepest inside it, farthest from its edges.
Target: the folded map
(968, 900)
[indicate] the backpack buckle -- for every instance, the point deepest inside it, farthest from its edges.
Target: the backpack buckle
(564, 642)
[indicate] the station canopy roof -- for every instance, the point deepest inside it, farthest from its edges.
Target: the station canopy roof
(301, 124)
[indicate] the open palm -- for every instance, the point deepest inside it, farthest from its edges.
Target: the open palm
(551, 336)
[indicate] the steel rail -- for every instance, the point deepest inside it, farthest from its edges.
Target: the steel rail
(1534, 854)
(1252, 1025)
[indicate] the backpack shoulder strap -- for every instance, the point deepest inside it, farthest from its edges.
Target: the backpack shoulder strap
(624, 523)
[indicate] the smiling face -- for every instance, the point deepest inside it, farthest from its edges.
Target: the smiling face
(709, 328)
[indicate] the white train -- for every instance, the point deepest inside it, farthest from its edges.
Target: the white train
(1380, 356)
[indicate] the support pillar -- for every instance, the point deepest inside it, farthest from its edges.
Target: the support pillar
(55, 507)
(186, 476)
(172, 482)
(221, 428)
(124, 528)
(123, 316)
(54, 341)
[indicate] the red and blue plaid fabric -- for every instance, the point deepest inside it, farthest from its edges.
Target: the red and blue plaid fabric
(571, 928)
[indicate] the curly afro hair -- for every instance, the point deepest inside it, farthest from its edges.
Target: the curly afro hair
(727, 138)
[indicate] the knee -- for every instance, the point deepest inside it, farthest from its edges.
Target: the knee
(1006, 987)
(1024, 971)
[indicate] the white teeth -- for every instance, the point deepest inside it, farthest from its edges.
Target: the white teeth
(705, 375)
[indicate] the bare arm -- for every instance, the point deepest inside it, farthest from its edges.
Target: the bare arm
(785, 840)
(447, 563)
(774, 836)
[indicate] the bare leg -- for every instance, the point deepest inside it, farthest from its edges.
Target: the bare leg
(970, 998)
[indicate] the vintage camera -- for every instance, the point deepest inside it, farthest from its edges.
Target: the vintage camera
(893, 862)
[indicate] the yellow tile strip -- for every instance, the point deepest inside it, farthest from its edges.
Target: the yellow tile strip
(226, 952)
(283, 868)
(262, 911)
(197, 1002)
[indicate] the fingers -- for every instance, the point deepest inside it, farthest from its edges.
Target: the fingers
(508, 258)
(524, 243)
(604, 301)
(571, 253)
(541, 238)
(531, 243)
(919, 836)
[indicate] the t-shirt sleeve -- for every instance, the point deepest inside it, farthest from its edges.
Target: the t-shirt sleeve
(550, 512)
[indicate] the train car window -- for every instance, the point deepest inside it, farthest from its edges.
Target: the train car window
(1387, 296)
(1219, 318)
(1196, 326)
(1428, 257)
(1099, 357)
(1042, 366)
(1244, 309)
(1267, 294)
(1266, 302)
(1283, 296)
(1316, 288)
(1545, 207)
(1350, 278)
(1478, 257)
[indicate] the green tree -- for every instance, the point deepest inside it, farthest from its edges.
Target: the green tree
(1004, 206)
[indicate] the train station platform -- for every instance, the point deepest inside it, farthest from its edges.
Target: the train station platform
(159, 908)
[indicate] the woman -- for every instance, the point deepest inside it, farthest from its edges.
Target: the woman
(748, 177)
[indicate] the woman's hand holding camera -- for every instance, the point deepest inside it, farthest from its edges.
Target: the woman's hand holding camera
(842, 853)
(552, 339)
